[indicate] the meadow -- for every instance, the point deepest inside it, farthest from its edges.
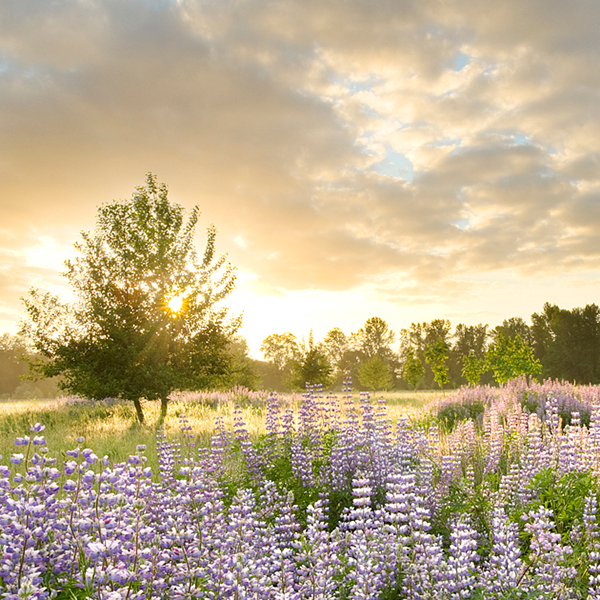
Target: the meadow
(480, 493)
(112, 430)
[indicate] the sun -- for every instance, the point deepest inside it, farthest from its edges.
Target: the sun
(175, 304)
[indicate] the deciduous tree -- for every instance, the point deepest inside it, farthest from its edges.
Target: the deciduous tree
(311, 367)
(436, 355)
(375, 374)
(568, 342)
(280, 349)
(473, 367)
(335, 345)
(374, 339)
(147, 318)
(413, 368)
(511, 357)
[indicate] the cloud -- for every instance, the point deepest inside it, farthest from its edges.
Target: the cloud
(389, 146)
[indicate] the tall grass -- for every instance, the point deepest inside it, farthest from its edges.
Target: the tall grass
(111, 429)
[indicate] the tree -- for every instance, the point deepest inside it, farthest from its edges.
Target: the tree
(243, 370)
(375, 374)
(280, 349)
(12, 365)
(374, 338)
(413, 368)
(335, 345)
(467, 340)
(349, 365)
(421, 335)
(473, 367)
(437, 329)
(147, 318)
(511, 357)
(437, 355)
(568, 342)
(513, 327)
(312, 367)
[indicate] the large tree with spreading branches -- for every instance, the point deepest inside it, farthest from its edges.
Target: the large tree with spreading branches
(147, 317)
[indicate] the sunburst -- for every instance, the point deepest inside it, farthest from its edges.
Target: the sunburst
(175, 304)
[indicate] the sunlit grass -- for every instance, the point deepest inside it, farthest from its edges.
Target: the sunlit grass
(112, 429)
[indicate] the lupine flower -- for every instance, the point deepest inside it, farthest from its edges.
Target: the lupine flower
(123, 532)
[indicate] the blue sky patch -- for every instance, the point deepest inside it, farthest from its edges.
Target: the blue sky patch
(395, 164)
(461, 60)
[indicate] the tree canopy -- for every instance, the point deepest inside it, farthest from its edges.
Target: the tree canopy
(147, 316)
(511, 357)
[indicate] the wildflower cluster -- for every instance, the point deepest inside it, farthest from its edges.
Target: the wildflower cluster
(334, 502)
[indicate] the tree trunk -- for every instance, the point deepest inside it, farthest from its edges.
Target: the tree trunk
(139, 411)
(163, 412)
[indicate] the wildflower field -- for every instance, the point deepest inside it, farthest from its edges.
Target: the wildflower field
(491, 494)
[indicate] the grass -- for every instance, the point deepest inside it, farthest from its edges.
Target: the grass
(112, 429)
(408, 401)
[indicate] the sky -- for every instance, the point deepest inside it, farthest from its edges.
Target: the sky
(409, 160)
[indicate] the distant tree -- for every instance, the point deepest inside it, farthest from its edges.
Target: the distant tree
(375, 374)
(281, 349)
(436, 355)
(473, 367)
(421, 335)
(147, 318)
(511, 357)
(568, 342)
(467, 340)
(243, 370)
(413, 338)
(437, 329)
(12, 365)
(334, 346)
(543, 337)
(513, 327)
(374, 339)
(413, 368)
(312, 367)
(349, 365)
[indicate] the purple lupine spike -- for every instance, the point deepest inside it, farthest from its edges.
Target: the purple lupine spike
(549, 573)
(460, 577)
(319, 555)
(366, 545)
(592, 531)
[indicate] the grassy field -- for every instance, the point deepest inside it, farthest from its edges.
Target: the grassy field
(112, 429)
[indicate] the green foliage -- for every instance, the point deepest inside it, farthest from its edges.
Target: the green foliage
(313, 368)
(565, 495)
(72, 592)
(120, 338)
(468, 339)
(374, 338)
(449, 414)
(568, 342)
(436, 355)
(281, 349)
(375, 374)
(243, 371)
(413, 368)
(473, 367)
(513, 327)
(12, 366)
(510, 357)
(460, 500)
(335, 345)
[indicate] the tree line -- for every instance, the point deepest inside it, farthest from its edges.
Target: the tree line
(559, 343)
